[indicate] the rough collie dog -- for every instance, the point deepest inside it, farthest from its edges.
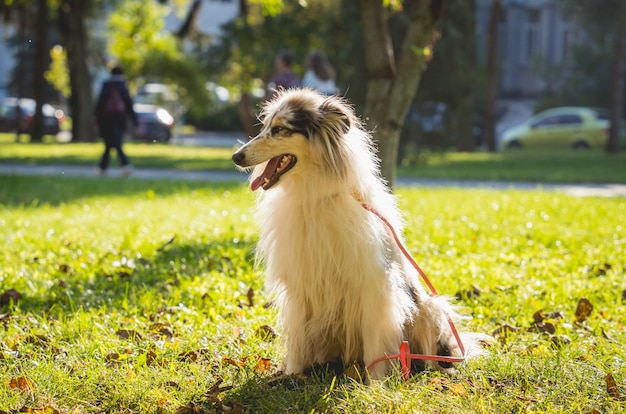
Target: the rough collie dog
(343, 288)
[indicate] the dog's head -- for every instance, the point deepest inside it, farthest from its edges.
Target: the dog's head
(299, 126)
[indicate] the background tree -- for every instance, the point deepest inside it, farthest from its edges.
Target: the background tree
(31, 19)
(71, 23)
(492, 75)
(606, 20)
(393, 76)
(383, 82)
(137, 40)
(40, 63)
(452, 79)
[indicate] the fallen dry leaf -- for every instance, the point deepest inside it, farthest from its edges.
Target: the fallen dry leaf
(560, 340)
(113, 360)
(21, 383)
(127, 334)
(216, 389)
(151, 359)
(544, 327)
(193, 356)
(234, 362)
(233, 407)
(10, 295)
(539, 316)
(162, 402)
(583, 310)
(504, 330)
(250, 296)
(458, 389)
(191, 408)
(172, 384)
(263, 365)
(475, 291)
(37, 340)
(439, 384)
(167, 332)
(45, 410)
(611, 386)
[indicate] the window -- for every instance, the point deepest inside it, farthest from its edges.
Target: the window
(530, 37)
(547, 121)
(570, 119)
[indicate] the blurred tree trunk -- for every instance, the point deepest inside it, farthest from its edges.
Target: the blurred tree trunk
(466, 141)
(392, 81)
(71, 24)
(492, 76)
(245, 109)
(617, 91)
(246, 115)
(22, 24)
(41, 52)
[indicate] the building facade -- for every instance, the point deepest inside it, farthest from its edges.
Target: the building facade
(535, 37)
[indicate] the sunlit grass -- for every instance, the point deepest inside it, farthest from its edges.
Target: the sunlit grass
(554, 166)
(142, 155)
(141, 296)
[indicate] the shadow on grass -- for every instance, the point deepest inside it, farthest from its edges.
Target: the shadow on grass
(314, 391)
(145, 282)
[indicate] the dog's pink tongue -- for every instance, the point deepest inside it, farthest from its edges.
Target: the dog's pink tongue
(267, 173)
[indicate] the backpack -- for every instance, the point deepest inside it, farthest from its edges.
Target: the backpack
(114, 103)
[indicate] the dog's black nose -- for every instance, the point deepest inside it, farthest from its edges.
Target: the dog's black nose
(238, 157)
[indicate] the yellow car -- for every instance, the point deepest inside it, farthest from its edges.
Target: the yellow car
(564, 127)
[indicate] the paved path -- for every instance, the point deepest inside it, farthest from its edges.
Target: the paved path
(600, 190)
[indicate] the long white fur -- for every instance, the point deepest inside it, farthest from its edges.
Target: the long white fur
(342, 287)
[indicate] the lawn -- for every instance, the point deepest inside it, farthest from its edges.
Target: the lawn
(123, 296)
(535, 166)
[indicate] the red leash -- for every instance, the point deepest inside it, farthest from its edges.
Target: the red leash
(405, 356)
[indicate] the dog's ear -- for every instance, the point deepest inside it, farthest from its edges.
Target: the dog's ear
(336, 113)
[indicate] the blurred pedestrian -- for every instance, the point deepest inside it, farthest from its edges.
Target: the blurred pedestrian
(113, 108)
(285, 78)
(320, 75)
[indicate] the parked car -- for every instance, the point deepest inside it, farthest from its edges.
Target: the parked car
(563, 127)
(155, 123)
(52, 116)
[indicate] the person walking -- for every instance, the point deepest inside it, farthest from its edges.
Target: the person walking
(320, 75)
(285, 77)
(113, 107)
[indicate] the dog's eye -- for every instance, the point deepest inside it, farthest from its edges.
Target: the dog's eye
(277, 130)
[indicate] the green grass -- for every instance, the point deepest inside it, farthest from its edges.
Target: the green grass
(536, 166)
(142, 155)
(135, 297)
(547, 167)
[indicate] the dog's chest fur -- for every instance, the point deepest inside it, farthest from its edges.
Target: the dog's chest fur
(319, 258)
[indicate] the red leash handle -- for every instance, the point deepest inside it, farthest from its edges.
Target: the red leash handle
(405, 355)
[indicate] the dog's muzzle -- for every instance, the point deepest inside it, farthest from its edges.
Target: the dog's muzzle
(274, 169)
